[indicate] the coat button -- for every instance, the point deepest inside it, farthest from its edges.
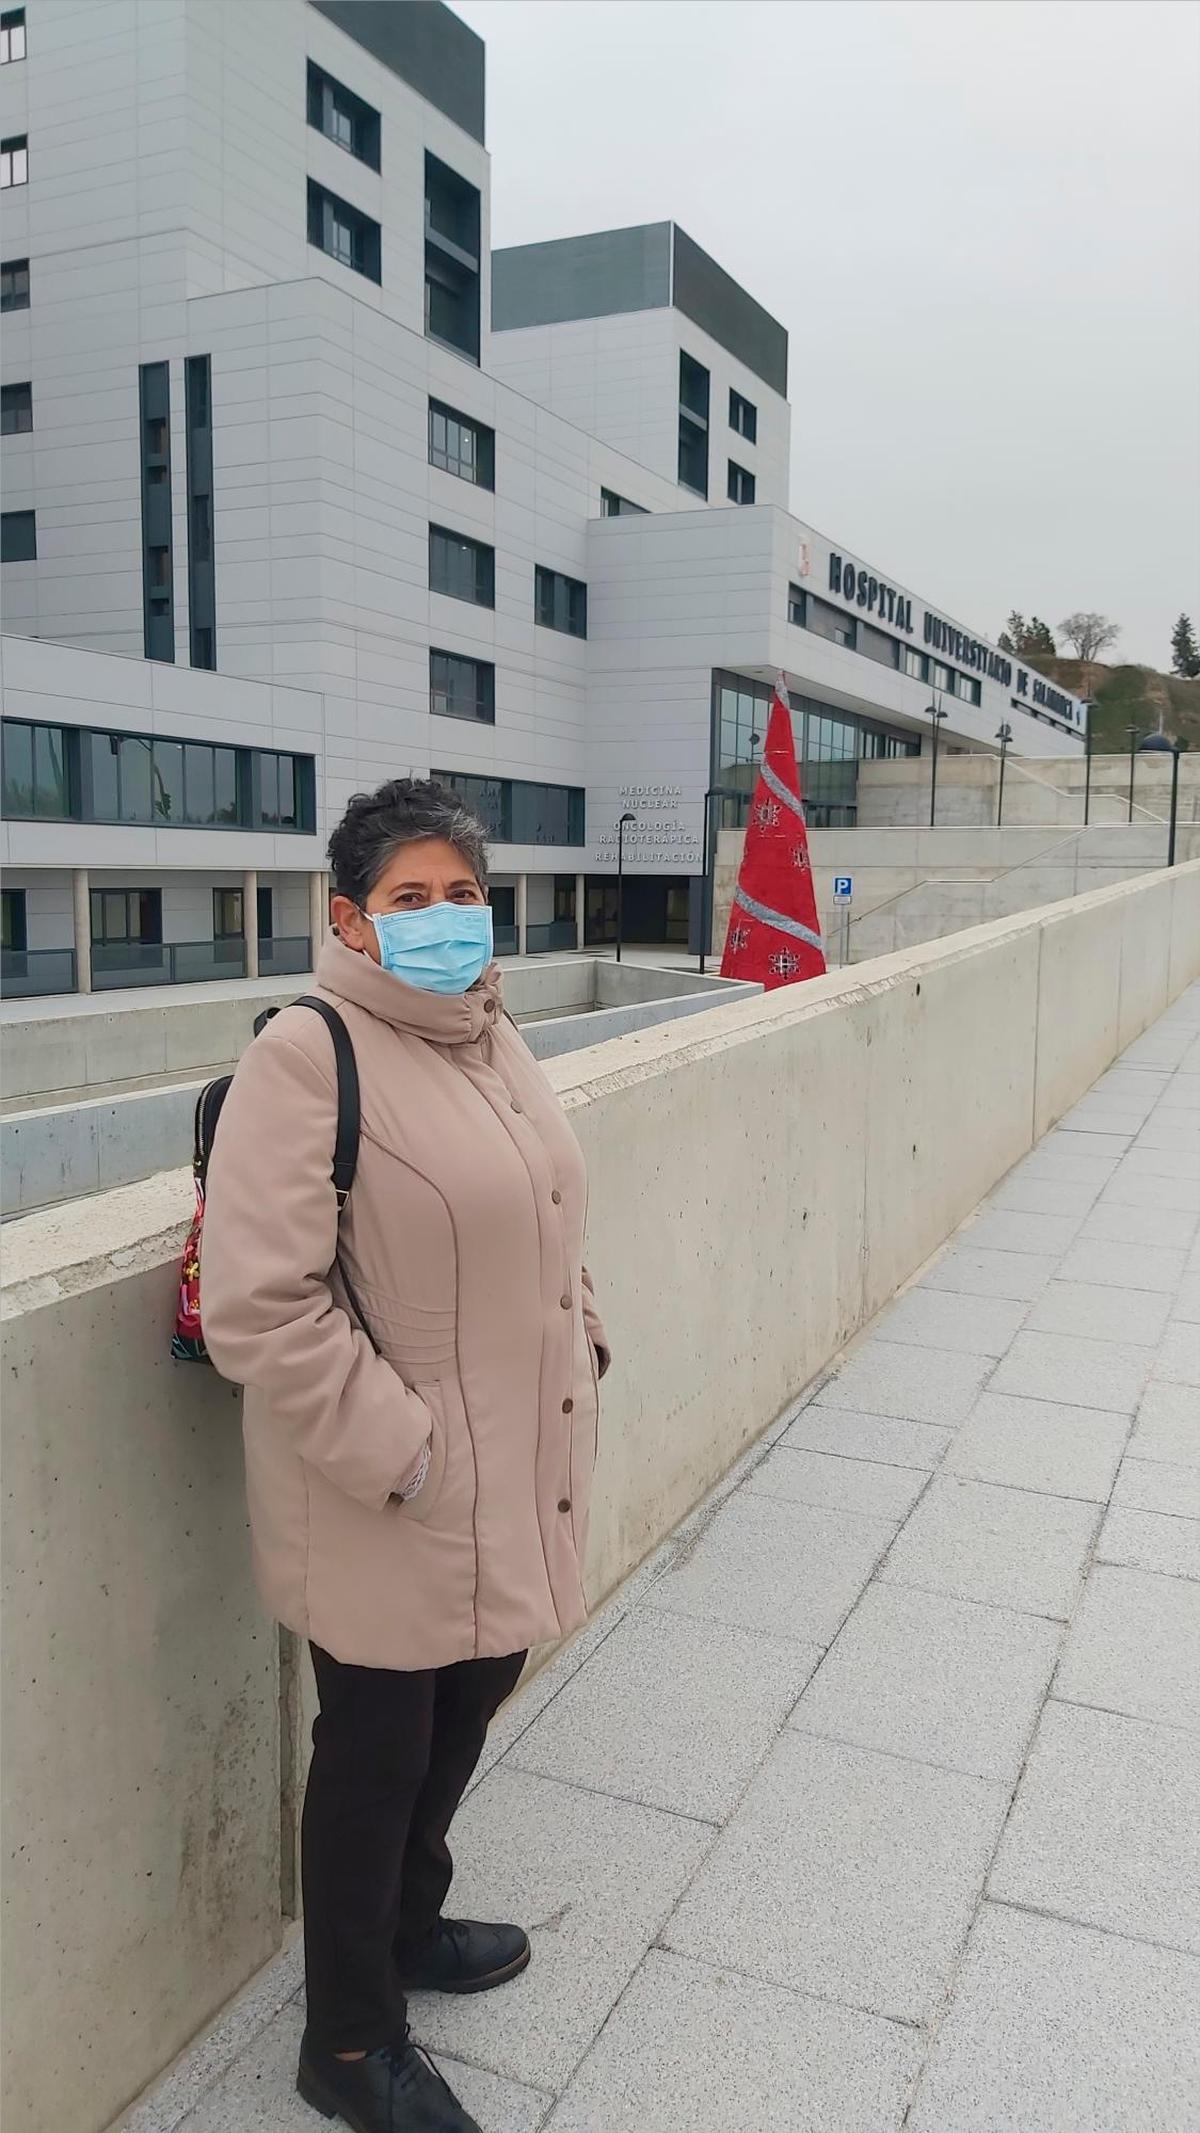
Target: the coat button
(516, 1106)
(566, 1302)
(556, 1196)
(564, 1503)
(568, 1407)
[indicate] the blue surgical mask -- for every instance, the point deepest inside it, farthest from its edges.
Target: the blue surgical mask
(443, 948)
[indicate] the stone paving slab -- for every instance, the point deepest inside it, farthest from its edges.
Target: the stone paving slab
(1021, 1276)
(1166, 1426)
(594, 1879)
(1140, 1225)
(1105, 1828)
(1134, 1646)
(888, 1439)
(1178, 1358)
(671, 1713)
(1151, 1542)
(1055, 2028)
(1153, 1485)
(694, 2047)
(1091, 1311)
(783, 1569)
(850, 1875)
(831, 1484)
(1075, 1371)
(936, 1679)
(1124, 1267)
(999, 1546)
(1001, 1230)
(1039, 1445)
(927, 1318)
(914, 1384)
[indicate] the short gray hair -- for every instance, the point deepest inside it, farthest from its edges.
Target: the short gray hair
(404, 811)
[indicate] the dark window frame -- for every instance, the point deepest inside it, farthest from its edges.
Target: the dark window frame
(12, 296)
(365, 253)
(18, 537)
(743, 416)
(329, 100)
(453, 238)
(614, 506)
(15, 146)
(695, 396)
(484, 574)
(480, 696)
(477, 466)
(502, 804)
(232, 775)
(201, 528)
(559, 602)
(16, 401)
(12, 25)
(14, 926)
(147, 935)
(740, 485)
(158, 587)
(221, 930)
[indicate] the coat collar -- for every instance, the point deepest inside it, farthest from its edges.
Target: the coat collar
(441, 1018)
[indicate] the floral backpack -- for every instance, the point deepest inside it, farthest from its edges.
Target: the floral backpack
(187, 1343)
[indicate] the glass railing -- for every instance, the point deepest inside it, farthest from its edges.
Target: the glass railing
(117, 964)
(285, 958)
(551, 939)
(30, 973)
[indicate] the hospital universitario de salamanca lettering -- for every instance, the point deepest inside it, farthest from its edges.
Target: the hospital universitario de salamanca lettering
(861, 588)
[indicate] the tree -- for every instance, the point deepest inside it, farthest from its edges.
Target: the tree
(1013, 635)
(1185, 653)
(1089, 634)
(1040, 641)
(1026, 640)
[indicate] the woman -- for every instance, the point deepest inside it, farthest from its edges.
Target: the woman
(418, 1488)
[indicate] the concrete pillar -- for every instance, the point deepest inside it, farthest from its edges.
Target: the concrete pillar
(250, 919)
(522, 912)
(580, 911)
(82, 900)
(318, 912)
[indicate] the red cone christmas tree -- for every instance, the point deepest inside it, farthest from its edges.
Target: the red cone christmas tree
(774, 933)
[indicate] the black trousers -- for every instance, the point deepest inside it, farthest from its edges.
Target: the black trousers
(392, 1756)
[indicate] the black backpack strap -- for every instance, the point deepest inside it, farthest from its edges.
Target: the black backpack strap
(349, 1113)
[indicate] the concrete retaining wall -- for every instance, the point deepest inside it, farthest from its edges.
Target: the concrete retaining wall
(913, 885)
(1041, 790)
(761, 1182)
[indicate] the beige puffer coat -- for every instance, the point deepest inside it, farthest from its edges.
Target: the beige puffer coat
(463, 1240)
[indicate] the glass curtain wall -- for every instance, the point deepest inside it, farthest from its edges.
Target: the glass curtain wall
(830, 744)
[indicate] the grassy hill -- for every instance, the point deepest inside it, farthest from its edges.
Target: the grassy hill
(1126, 696)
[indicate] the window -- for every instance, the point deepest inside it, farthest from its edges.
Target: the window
(12, 35)
(14, 161)
(796, 605)
(827, 621)
(916, 665)
(123, 916)
(344, 232)
(740, 487)
(464, 569)
(559, 603)
(202, 582)
(462, 688)
(16, 409)
(265, 914)
(614, 506)
(227, 914)
(940, 676)
(18, 537)
(693, 424)
(461, 446)
(452, 237)
(14, 285)
(878, 645)
(14, 933)
(158, 577)
(36, 775)
(743, 417)
(342, 117)
(86, 775)
(966, 686)
(517, 812)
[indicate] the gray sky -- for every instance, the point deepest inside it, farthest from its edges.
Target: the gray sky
(979, 221)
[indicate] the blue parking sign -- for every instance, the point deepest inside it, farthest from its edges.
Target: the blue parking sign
(843, 888)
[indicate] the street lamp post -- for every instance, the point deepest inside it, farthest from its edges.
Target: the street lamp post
(936, 713)
(1133, 745)
(1158, 744)
(1087, 763)
(1004, 736)
(625, 823)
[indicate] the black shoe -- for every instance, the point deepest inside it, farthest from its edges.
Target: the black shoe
(396, 2090)
(461, 1955)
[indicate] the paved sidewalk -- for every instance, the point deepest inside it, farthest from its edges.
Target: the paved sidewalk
(874, 1800)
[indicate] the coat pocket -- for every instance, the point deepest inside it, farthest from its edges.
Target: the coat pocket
(421, 1505)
